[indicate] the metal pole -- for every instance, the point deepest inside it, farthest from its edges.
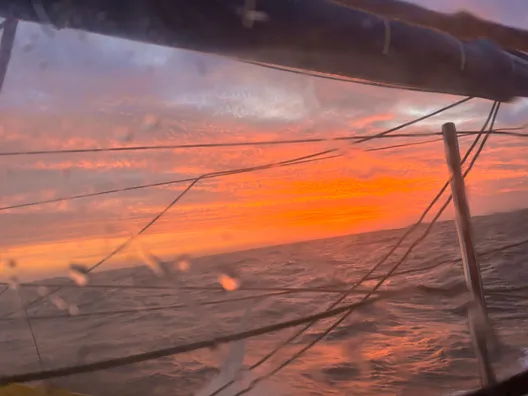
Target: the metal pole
(469, 256)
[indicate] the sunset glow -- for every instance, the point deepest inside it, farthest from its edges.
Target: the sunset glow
(102, 92)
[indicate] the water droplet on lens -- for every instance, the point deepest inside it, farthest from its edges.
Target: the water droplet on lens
(157, 266)
(229, 283)
(79, 274)
(183, 263)
(11, 263)
(59, 303)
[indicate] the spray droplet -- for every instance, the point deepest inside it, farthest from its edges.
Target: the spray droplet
(43, 291)
(184, 263)
(73, 310)
(157, 266)
(59, 303)
(79, 274)
(228, 282)
(13, 282)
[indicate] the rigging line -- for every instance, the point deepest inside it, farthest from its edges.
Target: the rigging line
(174, 201)
(492, 115)
(329, 288)
(416, 120)
(159, 184)
(359, 139)
(406, 145)
(214, 145)
(439, 263)
(323, 289)
(356, 139)
(491, 292)
(210, 343)
(503, 292)
(30, 328)
(153, 308)
(338, 78)
(174, 306)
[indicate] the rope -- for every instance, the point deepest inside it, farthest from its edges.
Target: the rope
(167, 183)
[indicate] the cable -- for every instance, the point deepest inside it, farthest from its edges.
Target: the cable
(359, 139)
(159, 184)
(323, 289)
(365, 139)
(211, 145)
(176, 306)
(493, 115)
(211, 343)
(329, 288)
(30, 328)
(152, 309)
(173, 202)
(310, 73)
(405, 145)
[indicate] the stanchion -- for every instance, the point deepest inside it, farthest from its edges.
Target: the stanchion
(469, 256)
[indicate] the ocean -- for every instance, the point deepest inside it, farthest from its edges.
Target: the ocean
(412, 344)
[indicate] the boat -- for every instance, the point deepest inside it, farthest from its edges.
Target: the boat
(323, 38)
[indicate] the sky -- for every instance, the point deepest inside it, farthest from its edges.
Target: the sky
(67, 90)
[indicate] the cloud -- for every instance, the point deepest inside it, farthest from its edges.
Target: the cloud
(87, 91)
